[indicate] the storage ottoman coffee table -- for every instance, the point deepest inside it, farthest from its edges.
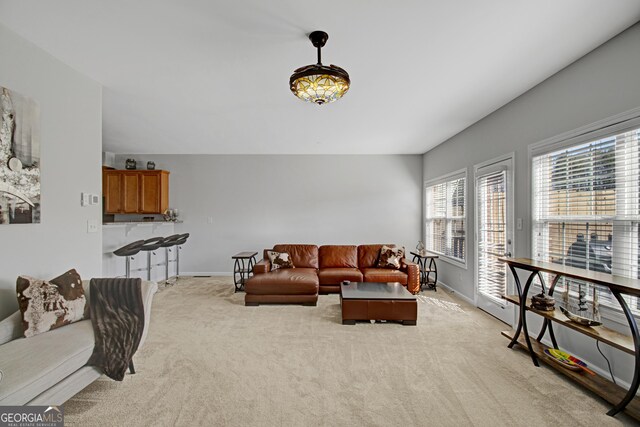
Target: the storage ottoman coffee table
(377, 301)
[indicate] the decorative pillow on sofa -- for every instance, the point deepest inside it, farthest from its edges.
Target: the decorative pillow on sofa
(390, 257)
(46, 305)
(280, 260)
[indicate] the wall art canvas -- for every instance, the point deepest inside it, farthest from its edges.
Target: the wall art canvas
(19, 159)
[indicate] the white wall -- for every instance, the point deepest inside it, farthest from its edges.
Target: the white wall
(71, 125)
(254, 202)
(602, 84)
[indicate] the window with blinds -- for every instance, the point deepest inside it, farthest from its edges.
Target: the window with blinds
(445, 221)
(586, 206)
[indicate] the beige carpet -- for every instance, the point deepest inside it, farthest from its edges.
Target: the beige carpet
(209, 360)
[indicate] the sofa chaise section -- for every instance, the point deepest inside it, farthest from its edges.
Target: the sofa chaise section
(286, 285)
(50, 368)
(290, 285)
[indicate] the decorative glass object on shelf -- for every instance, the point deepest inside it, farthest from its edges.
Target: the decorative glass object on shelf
(130, 164)
(170, 215)
(581, 310)
(151, 165)
(420, 248)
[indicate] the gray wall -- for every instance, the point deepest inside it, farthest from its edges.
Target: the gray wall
(254, 202)
(71, 127)
(602, 84)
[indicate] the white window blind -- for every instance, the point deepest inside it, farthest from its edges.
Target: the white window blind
(445, 222)
(586, 206)
(491, 191)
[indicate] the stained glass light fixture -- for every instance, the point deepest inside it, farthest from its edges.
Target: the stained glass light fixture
(318, 83)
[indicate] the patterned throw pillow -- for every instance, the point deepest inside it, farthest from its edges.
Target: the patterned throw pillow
(46, 305)
(280, 260)
(390, 257)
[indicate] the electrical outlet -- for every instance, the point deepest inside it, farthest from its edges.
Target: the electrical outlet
(92, 226)
(95, 199)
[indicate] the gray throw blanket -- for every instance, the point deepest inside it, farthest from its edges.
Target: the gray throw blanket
(117, 315)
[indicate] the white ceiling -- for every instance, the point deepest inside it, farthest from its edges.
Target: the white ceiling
(203, 76)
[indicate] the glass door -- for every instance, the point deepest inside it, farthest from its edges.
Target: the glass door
(493, 237)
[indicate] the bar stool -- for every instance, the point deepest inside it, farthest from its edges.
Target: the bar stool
(128, 251)
(149, 246)
(181, 240)
(167, 244)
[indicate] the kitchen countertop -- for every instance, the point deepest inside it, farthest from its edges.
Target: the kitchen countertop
(117, 223)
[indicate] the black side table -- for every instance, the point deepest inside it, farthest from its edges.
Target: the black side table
(425, 272)
(243, 268)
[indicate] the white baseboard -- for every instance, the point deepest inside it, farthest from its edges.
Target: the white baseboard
(207, 273)
(458, 294)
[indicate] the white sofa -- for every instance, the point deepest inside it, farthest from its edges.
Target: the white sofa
(50, 368)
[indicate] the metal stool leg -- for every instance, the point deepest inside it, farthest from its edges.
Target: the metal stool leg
(149, 265)
(166, 264)
(177, 262)
(128, 266)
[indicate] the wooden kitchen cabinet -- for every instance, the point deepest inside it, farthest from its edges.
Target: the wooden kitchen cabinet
(154, 192)
(130, 192)
(112, 191)
(135, 192)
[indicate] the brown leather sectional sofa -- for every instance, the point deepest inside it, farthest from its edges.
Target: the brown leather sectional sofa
(320, 270)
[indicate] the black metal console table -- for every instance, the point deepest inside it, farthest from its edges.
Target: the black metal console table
(421, 259)
(243, 268)
(621, 399)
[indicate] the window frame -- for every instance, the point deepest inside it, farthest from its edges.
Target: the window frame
(611, 126)
(451, 176)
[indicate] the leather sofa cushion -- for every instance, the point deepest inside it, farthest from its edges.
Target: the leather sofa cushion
(333, 276)
(384, 275)
(288, 281)
(368, 255)
(329, 289)
(303, 256)
(338, 256)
